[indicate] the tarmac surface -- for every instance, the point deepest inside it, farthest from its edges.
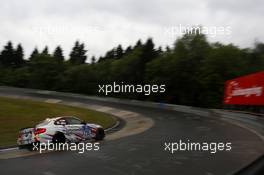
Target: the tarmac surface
(144, 153)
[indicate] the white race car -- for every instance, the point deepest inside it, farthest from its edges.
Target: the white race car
(60, 130)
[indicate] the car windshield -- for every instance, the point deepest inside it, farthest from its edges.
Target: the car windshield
(73, 121)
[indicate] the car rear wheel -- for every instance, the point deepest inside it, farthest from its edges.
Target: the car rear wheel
(59, 138)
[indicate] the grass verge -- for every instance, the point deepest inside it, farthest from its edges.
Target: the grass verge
(18, 113)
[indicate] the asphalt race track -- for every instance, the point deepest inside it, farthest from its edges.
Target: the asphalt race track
(144, 153)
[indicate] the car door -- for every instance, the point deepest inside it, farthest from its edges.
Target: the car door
(75, 129)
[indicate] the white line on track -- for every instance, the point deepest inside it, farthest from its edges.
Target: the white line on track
(8, 149)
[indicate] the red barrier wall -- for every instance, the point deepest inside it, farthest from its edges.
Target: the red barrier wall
(245, 90)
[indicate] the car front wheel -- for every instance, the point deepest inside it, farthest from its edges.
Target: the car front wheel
(100, 134)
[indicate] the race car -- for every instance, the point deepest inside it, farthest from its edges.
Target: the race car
(60, 130)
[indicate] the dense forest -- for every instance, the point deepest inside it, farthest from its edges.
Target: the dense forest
(194, 70)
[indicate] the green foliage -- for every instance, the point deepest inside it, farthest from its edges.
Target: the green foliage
(126, 69)
(11, 57)
(44, 72)
(19, 56)
(58, 54)
(78, 54)
(193, 70)
(119, 52)
(81, 79)
(45, 51)
(34, 53)
(113, 54)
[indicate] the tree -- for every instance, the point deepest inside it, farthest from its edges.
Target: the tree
(81, 79)
(34, 54)
(193, 70)
(128, 50)
(78, 54)
(45, 72)
(58, 54)
(168, 49)
(138, 44)
(19, 56)
(119, 52)
(93, 60)
(223, 62)
(148, 51)
(126, 69)
(159, 51)
(45, 51)
(7, 58)
(115, 53)
(180, 69)
(259, 48)
(108, 56)
(100, 59)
